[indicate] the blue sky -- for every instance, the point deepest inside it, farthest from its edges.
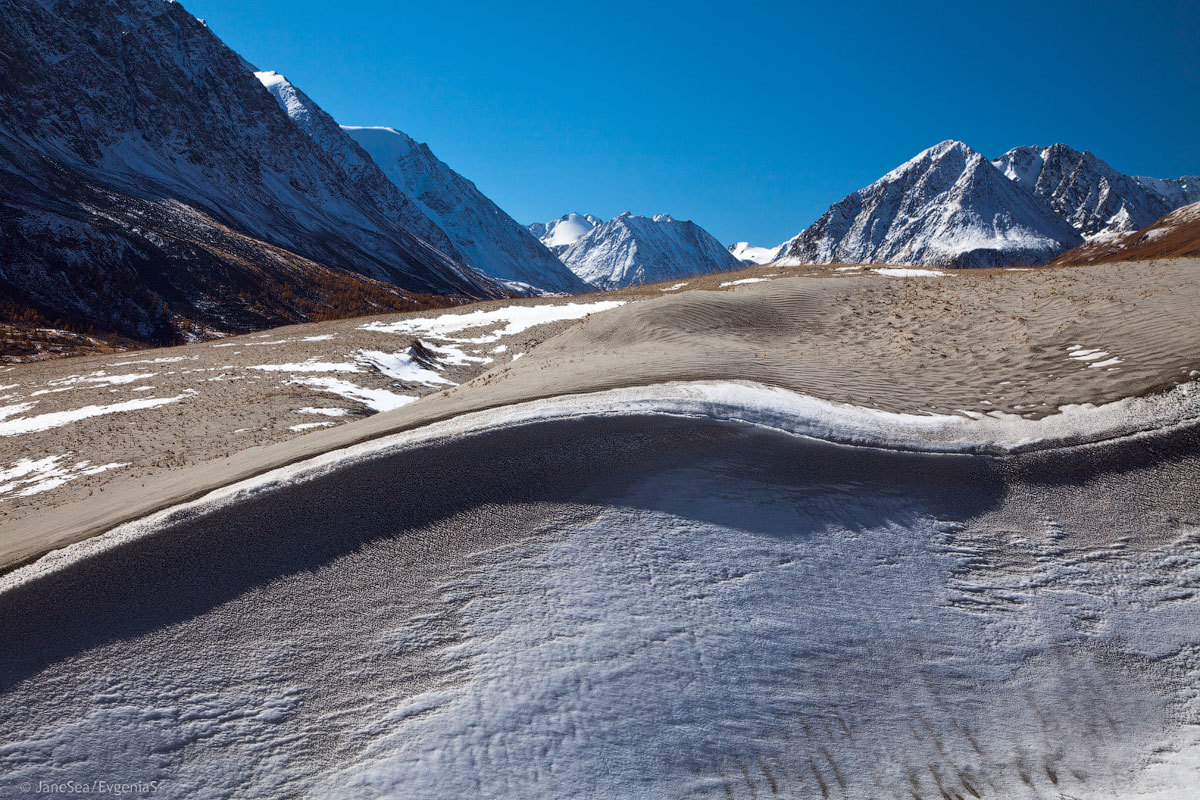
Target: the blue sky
(750, 118)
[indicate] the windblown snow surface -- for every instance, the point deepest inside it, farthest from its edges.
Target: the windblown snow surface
(685, 590)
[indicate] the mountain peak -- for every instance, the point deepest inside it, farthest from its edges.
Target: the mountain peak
(1085, 191)
(946, 147)
(631, 250)
(948, 206)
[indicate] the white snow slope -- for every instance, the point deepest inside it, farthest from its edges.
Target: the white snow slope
(559, 234)
(744, 251)
(630, 250)
(948, 206)
(489, 239)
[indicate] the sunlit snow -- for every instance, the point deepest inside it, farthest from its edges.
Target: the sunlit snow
(514, 320)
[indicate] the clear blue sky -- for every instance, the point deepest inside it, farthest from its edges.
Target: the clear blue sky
(750, 118)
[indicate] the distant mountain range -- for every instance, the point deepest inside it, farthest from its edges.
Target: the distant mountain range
(155, 185)
(950, 206)
(630, 250)
(746, 253)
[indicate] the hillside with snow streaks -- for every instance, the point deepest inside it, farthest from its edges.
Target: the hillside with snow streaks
(948, 206)
(153, 186)
(1091, 195)
(355, 161)
(486, 237)
(631, 250)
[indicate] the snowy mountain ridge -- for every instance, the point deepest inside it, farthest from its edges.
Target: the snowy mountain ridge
(631, 250)
(487, 237)
(1088, 193)
(356, 162)
(947, 206)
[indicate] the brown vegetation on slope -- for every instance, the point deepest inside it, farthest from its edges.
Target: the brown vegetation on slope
(207, 280)
(1176, 235)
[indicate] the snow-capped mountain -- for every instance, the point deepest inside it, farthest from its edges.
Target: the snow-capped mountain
(1088, 193)
(747, 253)
(630, 250)
(150, 182)
(948, 206)
(487, 238)
(559, 234)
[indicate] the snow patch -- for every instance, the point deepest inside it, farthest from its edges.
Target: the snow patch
(325, 412)
(28, 477)
(304, 426)
(402, 366)
(374, 399)
(902, 272)
(514, 319)
(44, 422)
(98, 378)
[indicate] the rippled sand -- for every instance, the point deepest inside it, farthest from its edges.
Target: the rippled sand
(973, 342)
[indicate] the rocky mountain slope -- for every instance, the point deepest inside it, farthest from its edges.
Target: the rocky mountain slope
(486, 237)
(1091, 195)
(1176, 235)
(559, 234)
(1178, 192)
(948, 206)
(631, 250)
(152, 187)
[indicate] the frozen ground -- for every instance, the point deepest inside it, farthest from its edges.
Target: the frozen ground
(635, 606)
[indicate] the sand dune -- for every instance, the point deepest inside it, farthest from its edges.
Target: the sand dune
(971, 342)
